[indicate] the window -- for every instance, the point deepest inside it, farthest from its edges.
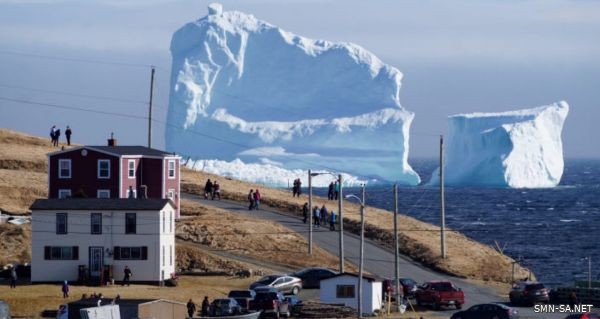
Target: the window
(171, 255)
(104, 168)
(130, 253)
(64, 193)
(61, 223)
(164, 222)
(171, 168)
(171, 221)
(96, 221)
(64, 168)
(163, 255)
(171, 194)
(61, 253)
(130, 223)
(344, 291)
(103, 193)
(131, 168)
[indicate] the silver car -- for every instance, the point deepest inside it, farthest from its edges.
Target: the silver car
(283, 283)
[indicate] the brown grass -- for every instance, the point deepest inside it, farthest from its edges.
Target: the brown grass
(418, 240)
(15, 243)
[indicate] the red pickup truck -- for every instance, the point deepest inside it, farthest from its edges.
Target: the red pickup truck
(440, 293)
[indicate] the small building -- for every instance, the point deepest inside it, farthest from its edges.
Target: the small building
(91, 240)
(343, 289)
(130, 308)
(114, 171)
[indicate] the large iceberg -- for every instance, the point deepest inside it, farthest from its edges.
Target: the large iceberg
(520, 149)
(244, 89)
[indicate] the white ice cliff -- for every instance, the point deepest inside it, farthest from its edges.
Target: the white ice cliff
(244, 89)
(519, 149)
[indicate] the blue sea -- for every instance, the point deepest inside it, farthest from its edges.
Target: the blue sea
(551, 230)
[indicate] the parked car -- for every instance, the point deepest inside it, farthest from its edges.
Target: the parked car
(243, 297)
(311, 277)
(294, 303)
(529, 293)
(4, 310)
(409, 287)
(225, 307)
(283, 283)
(583, 316)
(487, 311)
(439, 293)
(271, 304)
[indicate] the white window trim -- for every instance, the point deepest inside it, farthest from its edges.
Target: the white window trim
(102, 191)
(68, 191)
(128, 169)
(98, 169)
(59, 167)
(171, 194)
(169, 169)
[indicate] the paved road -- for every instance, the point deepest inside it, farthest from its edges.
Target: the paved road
(377, 260)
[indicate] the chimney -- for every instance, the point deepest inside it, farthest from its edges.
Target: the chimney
(112, 141)
(143, 192)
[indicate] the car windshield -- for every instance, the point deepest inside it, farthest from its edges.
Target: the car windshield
(534, 287)
(442, 286)
(222, 302)
(240, 293)
(265, 296)
(267, 280)
(407, 281)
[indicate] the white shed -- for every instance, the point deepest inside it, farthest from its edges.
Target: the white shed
(343, 289)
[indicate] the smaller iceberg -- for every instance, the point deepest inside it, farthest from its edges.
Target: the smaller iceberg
(518, 149)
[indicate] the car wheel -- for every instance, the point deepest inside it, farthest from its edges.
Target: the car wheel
(295, 290)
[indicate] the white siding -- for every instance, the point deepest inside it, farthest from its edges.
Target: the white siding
(148, 233)
(372, 295)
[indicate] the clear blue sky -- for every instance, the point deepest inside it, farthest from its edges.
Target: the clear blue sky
(456, 56)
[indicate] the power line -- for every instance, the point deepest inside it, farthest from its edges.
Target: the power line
(98, 97)
(70, 59)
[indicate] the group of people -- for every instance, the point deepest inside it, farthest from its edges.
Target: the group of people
(212, 190)
(55, 135)
(254, 199)
(333, 191)
(191, 307)
(98, 298)
(319, 216)
(297, 188)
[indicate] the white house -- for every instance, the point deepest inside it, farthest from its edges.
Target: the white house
(96, 238)
(343, 289)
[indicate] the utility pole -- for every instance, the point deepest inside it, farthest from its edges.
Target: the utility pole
(442, 204)
(589, 272)
(396, 248)
(341, 220)
(310, 213)
(362, 246)
(150, 108)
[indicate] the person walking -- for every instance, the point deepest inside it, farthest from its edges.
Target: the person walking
(305, 212)
(191, 308)
(56, 137)
(332, 217)
(126, 276)
(256, 199)
(68, 133)
(53, 134)
(295, 188)
(13, 277)
(317, 216)
(330, 191)
(337, 190)
(324, 215)
(208, 189)
(216, 190)
(65, 289)
(251, 199)
(205, 306)
(299, 190)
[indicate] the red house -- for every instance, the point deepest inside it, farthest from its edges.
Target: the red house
(114, 172)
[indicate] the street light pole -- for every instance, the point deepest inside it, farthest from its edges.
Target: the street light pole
(310, 213)
(341, 221)
(589, 258)
(396, 248)
(362, 246)
(442, 203)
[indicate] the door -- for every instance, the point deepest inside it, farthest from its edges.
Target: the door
(96, 261)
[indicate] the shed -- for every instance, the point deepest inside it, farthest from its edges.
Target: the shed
(343, 289)
(134, 308)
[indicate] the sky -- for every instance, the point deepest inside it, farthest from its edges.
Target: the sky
(60, 56)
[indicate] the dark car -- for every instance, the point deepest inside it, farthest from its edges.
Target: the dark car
(283, 283)
(225, 307)
(529, 293)
(243, 297)
(271, 304)
(294, 303)
(487, 311)
(311, 277)
(583, 316)
(409, 287)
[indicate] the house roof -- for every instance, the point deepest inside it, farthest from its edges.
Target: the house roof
(351, 274)
(152, 204)
(125, 150)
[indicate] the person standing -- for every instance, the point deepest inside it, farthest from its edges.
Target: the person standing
(208, 188)
(216, 190)
(251, 199)
(299, 192)
(191, 308)
(305, 212)
(53, 134)
(330, 191)
(126, 276)
(65, 289)
(56, 137)
(324, 215)
(13, 277)
(317, 216)
(337, 190)
(205, 306)
(256, 199)
(332, 221)
(295, 188)
(68, 133)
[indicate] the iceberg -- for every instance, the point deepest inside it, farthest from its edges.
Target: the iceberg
(518, 149)
(244, 89)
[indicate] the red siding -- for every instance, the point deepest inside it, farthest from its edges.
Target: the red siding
(84, 174)
(172, 183)
(152, 176)
(135, 183)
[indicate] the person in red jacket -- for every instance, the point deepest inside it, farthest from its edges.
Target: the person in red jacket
(256, 199)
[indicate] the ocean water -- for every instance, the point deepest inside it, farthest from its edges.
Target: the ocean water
(551, 230)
